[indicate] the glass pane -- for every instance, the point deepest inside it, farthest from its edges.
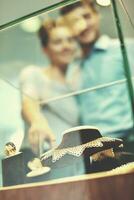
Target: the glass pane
(126, 21)
(25, 10)
(64, 95)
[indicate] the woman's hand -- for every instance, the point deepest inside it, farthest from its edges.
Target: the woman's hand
(38, 133)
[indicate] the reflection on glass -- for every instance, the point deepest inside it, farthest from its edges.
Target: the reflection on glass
(61, 71)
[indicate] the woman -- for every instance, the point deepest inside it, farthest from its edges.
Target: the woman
(48, 121)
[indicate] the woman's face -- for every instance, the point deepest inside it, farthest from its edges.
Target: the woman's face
(61, 46)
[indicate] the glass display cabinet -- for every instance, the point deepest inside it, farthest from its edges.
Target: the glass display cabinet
(66, 100)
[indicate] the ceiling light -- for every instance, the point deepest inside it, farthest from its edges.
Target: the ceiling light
(31, 25)
(103, 2)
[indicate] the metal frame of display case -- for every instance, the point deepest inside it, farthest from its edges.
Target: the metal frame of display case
(125, 58)
(46, 9)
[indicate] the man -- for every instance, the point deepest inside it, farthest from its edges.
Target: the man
(108, 108)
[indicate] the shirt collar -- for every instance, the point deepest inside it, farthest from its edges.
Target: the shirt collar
(102, 43)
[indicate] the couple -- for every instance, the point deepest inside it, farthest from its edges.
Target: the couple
(108, 109)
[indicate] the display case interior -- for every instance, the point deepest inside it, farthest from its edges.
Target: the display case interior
(66, 100)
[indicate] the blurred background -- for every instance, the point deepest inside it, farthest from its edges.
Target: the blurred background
(20, 47)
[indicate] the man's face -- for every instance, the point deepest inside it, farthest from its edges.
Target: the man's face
(84, 22)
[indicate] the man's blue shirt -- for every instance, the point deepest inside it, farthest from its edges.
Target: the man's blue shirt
(109, 108)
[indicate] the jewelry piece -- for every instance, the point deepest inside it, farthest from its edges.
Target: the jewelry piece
(36, 168)
(103, 154)
(77, 151)
(10, 149)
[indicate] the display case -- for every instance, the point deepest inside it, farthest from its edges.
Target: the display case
(67, 114)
